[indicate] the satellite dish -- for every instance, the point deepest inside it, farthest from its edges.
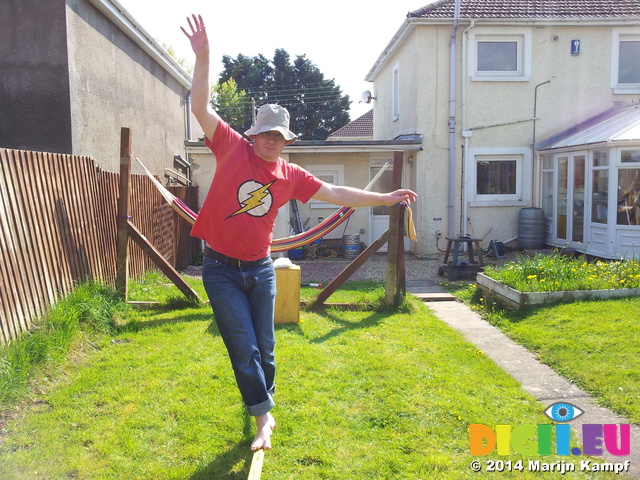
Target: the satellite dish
(367, 97)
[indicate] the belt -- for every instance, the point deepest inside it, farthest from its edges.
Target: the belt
(208, 252)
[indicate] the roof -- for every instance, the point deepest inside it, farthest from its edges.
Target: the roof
(444, 9)
(361, 127)
(618, 124)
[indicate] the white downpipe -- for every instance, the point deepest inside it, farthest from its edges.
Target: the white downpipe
(452, 117)
(465, 203)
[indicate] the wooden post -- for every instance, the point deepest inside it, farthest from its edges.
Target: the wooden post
(161, 262)
(350, 269)
(395, 237)
(122, 266)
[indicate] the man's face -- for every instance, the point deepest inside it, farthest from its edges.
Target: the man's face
(269, 145)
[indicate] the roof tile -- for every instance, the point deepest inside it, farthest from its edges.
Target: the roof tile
(530, 9)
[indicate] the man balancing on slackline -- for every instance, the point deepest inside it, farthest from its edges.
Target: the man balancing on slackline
(236, 221)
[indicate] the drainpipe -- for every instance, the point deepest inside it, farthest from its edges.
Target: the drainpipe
(187, 102)
(465, 133)
(534, 184)
(452, 117)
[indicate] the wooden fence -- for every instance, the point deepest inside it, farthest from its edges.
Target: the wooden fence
(58, 227)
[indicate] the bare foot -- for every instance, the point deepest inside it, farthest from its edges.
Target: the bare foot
(264, 427)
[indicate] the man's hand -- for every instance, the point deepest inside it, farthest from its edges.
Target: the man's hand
(198, 37)
(200, 88)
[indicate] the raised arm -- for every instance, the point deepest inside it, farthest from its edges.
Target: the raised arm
(200, 86)
(355, 197)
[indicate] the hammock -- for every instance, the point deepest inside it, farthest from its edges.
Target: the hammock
(279, 245)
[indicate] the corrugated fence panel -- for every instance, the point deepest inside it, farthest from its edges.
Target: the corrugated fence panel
(58, 227)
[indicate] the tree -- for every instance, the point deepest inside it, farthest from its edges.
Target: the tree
(316, 105)
(232, 105)
(183, 62)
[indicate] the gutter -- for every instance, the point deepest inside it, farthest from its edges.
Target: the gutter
(332, 146)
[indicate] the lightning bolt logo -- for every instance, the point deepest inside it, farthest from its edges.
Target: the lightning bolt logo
(255, 199)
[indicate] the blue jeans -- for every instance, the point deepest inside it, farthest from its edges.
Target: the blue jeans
(243, 303)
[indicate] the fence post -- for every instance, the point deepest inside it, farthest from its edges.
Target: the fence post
(395, 250)
(122, 266)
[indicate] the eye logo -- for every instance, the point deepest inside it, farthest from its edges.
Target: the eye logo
(563, 412)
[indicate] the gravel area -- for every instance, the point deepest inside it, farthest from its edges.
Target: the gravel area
(323, 270)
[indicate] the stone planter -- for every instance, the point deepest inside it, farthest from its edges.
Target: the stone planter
(516, 299)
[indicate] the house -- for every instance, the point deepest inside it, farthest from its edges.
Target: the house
(75, 71)
(520, 104)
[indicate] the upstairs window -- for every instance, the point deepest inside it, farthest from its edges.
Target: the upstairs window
(504, 56)
(625, 68)
(497, 57)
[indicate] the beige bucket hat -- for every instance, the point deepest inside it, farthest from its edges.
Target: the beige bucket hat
(270, 118)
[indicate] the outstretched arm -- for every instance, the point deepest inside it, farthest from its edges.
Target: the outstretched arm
(200, 87)
(355, 197)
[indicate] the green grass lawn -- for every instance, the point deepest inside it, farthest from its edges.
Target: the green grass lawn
(370, 394)
(592, 343)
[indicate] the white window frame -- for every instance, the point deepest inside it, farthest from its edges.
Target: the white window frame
(336, 175)
(621, 36)
(522, 157)
(522, 37)
(395, 92)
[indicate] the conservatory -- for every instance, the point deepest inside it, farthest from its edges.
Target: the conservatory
(590, 185)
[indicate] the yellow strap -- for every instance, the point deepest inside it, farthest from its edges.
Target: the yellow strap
(409, 227)
(256, 465)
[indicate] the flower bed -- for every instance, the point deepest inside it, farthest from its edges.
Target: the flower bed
(550, 278)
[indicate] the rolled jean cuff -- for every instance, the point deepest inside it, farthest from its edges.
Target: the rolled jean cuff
(261, 408)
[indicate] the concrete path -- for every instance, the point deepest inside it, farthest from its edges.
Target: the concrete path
(537, 379)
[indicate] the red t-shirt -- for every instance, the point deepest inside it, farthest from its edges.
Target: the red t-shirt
(239, 212)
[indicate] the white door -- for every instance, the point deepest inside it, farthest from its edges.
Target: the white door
(570, 199)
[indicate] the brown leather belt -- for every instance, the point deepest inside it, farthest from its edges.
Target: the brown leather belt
(236, 262)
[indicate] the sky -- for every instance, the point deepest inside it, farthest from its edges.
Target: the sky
(343, 38)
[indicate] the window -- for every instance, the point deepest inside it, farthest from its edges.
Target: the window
(504, 56)
(497, 177)
(628, 196)
(600, 187)
(629, 187)
(625, 68)
(547, 185)
(630, 156)
(395, 95)
(495, 56)
(333, 174)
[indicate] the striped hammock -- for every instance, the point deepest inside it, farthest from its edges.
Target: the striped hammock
(279, 245)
